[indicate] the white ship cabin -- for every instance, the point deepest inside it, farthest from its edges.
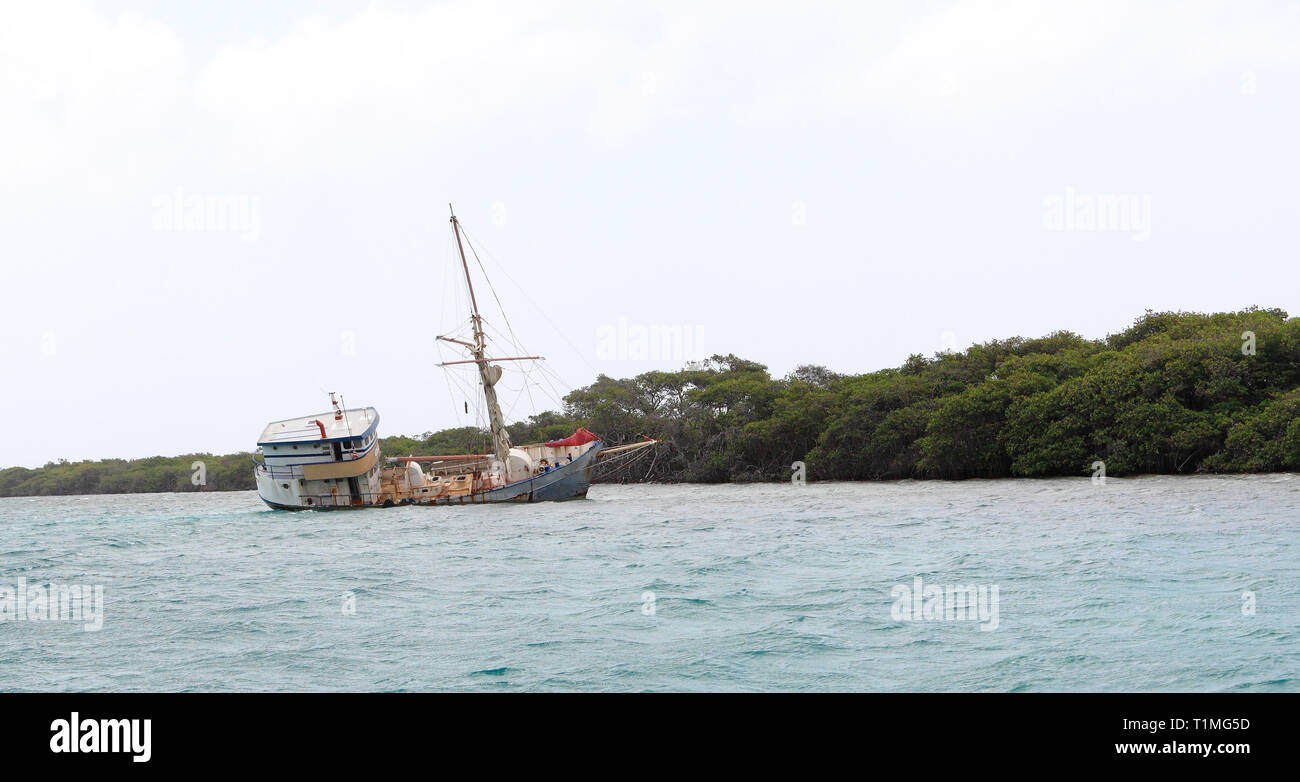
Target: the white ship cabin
(330, 459)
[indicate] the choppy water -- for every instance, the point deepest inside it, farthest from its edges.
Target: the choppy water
(1137, 585)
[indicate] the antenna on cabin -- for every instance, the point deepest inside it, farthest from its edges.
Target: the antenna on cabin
(348, 423)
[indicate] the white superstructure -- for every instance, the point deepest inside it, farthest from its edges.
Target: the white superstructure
(325, 460)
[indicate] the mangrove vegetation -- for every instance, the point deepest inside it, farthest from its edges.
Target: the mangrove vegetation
(1174, 393)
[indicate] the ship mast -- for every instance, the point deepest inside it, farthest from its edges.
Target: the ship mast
(487, 373)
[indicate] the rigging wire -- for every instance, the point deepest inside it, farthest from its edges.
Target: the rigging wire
(514, 339)
(620, 464)
(547, 376)
(541, 369)
(536, 306)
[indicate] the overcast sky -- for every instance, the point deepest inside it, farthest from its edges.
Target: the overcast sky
(211, 215)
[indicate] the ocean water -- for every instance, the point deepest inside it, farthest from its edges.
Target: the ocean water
(1140, 584)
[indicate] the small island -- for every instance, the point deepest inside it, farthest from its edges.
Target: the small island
(1175, 393)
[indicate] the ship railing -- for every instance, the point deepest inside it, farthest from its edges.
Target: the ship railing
(279, 471)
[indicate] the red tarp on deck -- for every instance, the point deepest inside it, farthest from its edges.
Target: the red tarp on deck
(580, 437)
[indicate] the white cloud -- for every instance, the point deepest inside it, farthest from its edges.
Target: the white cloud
(94, 97)
(91, 96)
(348, 91)
(82, 97)
(985, 59)
(390, 77)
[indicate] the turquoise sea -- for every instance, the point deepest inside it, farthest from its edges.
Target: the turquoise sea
(1143, 584)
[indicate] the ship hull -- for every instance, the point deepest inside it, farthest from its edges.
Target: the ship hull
(566, 482)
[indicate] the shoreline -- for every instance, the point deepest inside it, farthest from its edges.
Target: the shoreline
(1024, 479)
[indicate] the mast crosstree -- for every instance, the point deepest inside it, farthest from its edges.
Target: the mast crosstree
(488, 373)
